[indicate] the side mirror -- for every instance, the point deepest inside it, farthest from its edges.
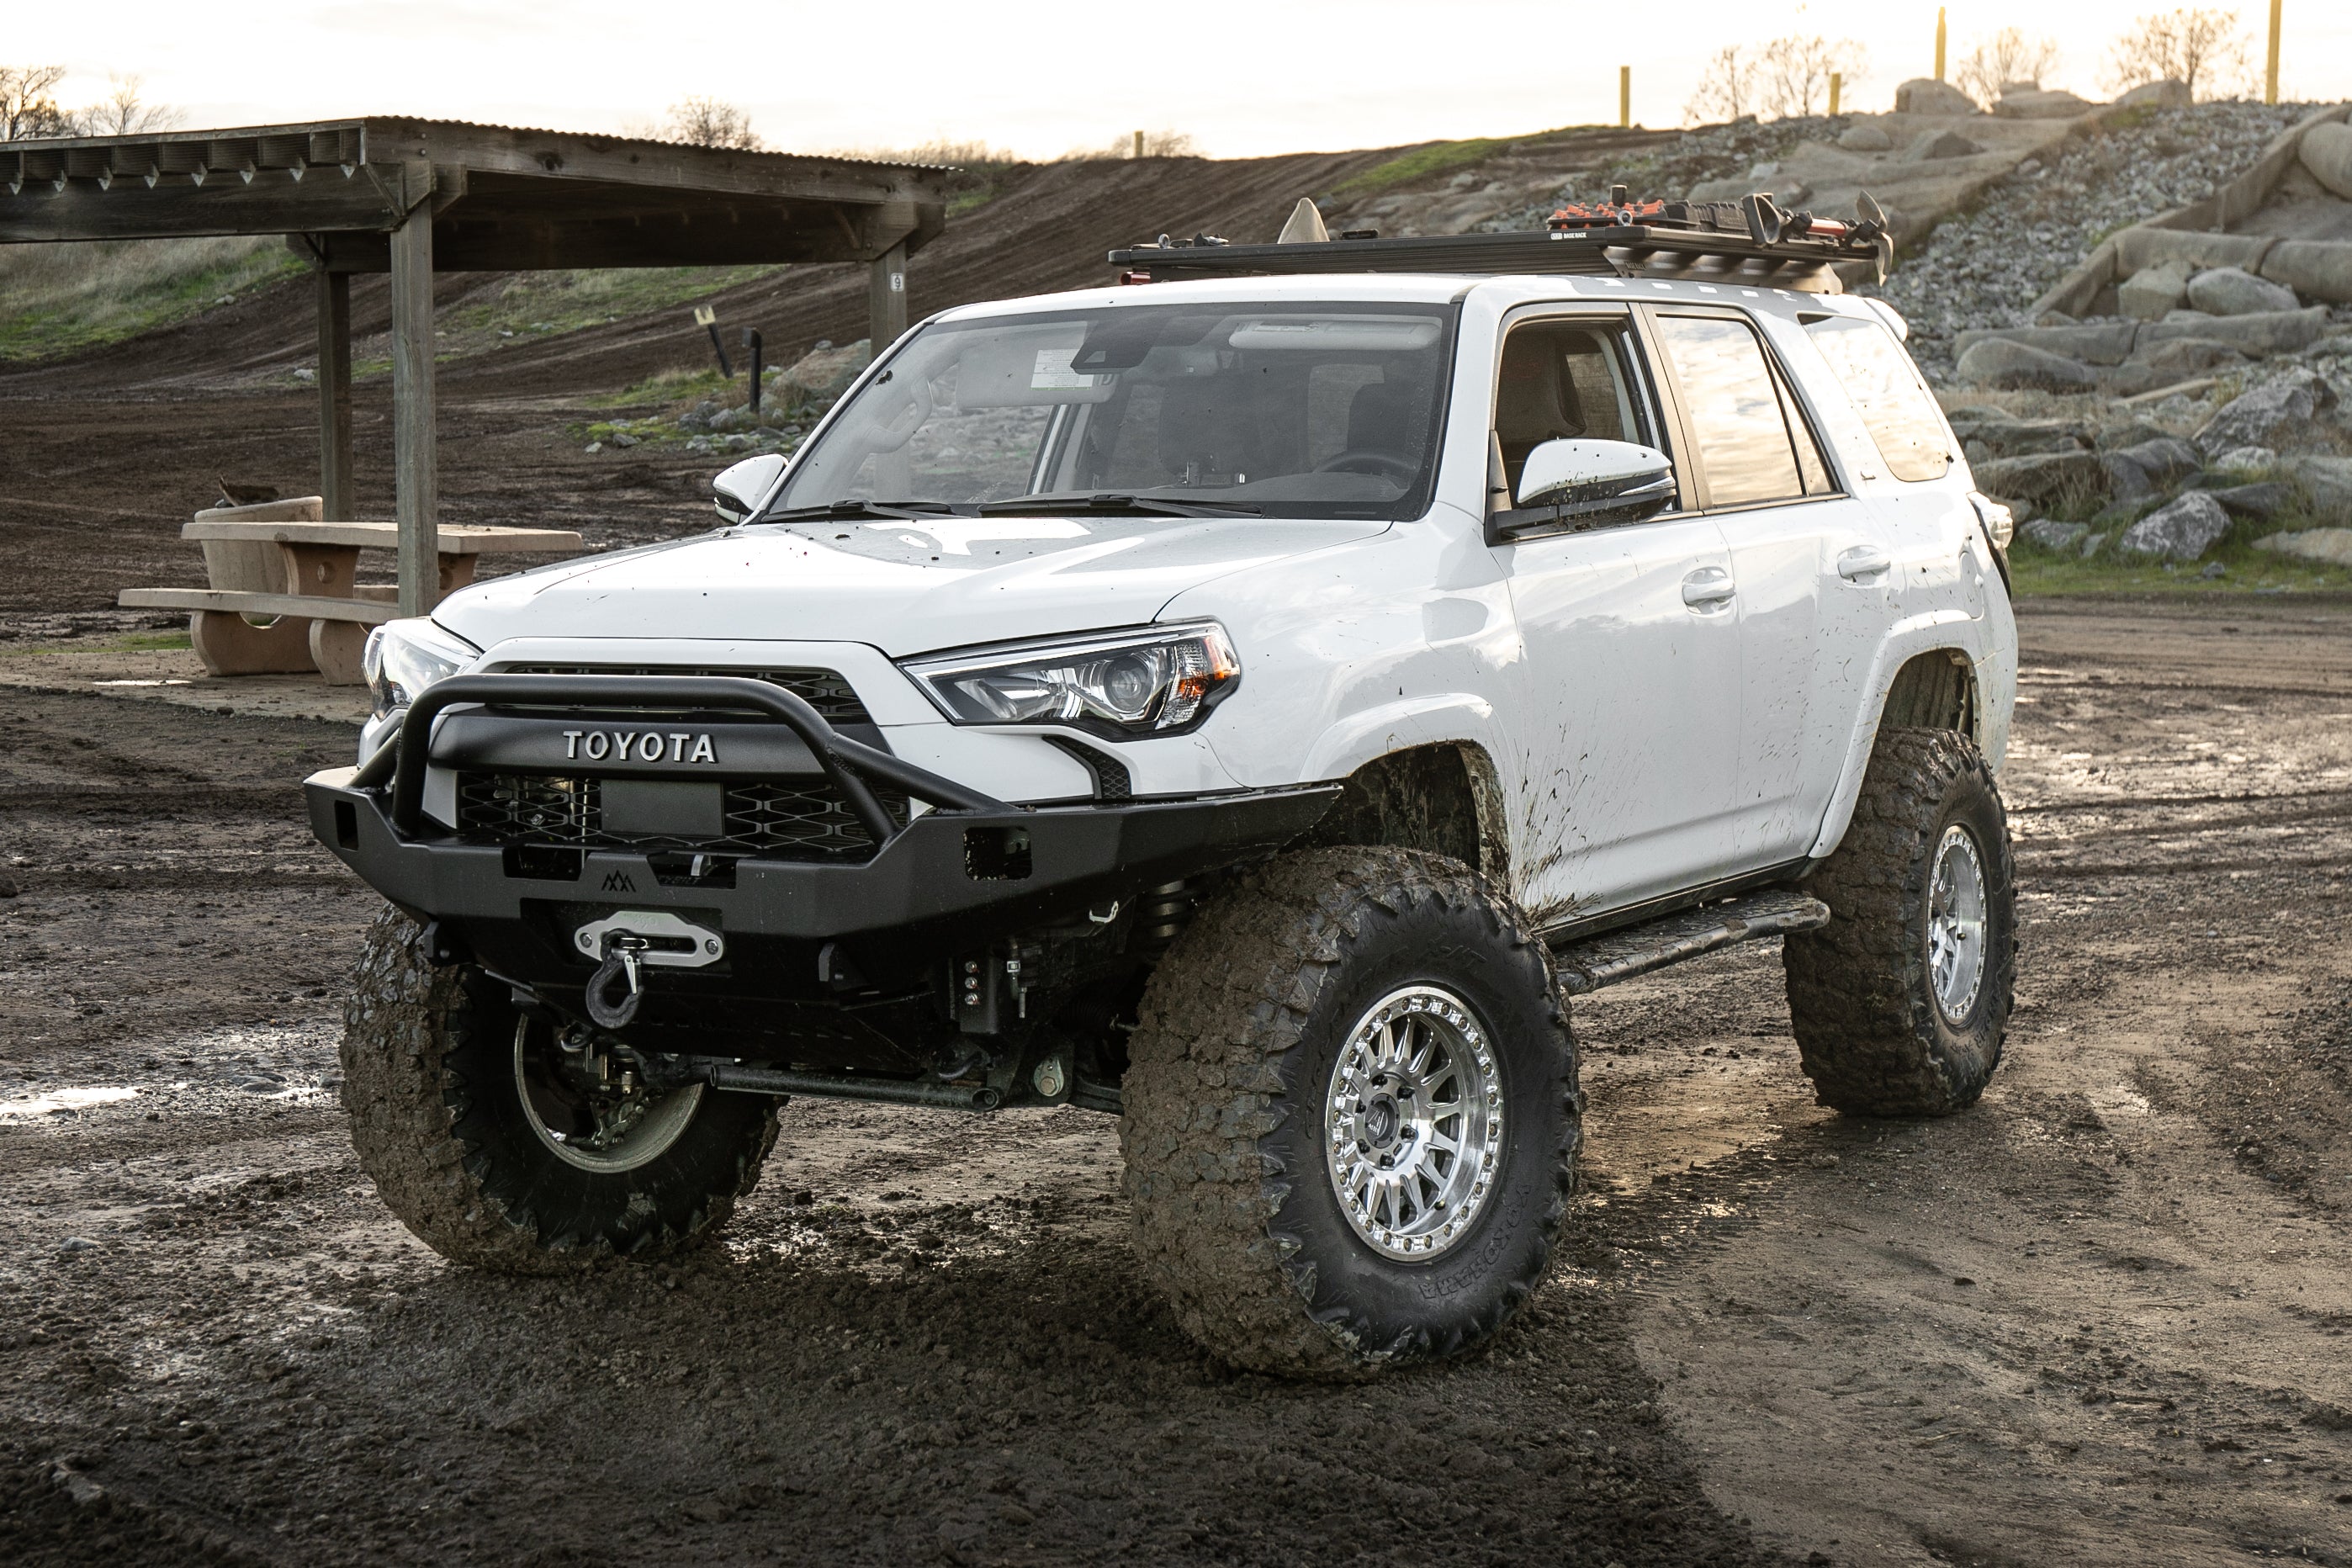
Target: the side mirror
(738, 489)
(1583, 484)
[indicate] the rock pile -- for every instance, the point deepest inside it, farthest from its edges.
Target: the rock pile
(2125, 484)
(1980, 270)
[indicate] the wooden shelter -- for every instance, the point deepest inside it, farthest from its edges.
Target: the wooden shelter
(413, 197)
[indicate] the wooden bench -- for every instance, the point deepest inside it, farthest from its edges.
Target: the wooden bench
(280, 560)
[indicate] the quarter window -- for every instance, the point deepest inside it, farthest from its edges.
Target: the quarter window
(1894, 403)
(1733, 403)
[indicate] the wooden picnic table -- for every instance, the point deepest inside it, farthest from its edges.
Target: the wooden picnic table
(289, 563)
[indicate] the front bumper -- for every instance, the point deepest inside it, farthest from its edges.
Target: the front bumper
(944, 872)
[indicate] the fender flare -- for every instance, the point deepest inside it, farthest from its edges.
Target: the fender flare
(1952, 631)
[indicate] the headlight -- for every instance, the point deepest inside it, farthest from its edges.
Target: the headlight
(1139, 683)
(404, 657)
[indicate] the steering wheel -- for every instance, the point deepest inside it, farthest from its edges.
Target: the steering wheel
(1364, 460)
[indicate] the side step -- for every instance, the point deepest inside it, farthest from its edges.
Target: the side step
(1604, 960)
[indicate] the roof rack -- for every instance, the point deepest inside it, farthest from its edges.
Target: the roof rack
(1750, 241)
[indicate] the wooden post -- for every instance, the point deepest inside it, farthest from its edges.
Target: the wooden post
(415, 488)
(335, 395)
(1139, 143)
(1837, 81)
(885, 299)
(1625, 98)
(1940, 43)
(2270, 72)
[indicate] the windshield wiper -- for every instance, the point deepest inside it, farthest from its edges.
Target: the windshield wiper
(893, 511)
(1131, 506)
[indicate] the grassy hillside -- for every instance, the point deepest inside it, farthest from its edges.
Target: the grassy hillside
(56, 298)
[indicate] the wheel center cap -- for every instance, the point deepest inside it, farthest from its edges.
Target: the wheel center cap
(1382, 1119)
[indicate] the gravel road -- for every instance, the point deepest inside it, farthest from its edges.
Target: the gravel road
(2099, 1319)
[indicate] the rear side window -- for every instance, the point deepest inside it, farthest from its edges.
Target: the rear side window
(1738, 420)
(1894, 402)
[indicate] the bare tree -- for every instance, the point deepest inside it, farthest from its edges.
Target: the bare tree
(1792, 74)
(2010, 55)
(123, 112)
(1727, 88)
(28, 103)
(709, 122)
(2202, 47)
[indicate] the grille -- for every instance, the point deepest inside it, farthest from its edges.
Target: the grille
(769, 821)
(822, 690)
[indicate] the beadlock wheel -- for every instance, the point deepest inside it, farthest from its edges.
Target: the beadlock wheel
(1413, 1122)
(1956, 924)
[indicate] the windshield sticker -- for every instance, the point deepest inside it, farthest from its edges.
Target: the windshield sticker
(1054, 371)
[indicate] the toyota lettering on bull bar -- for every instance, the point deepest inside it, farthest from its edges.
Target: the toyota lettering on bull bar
(640, 746)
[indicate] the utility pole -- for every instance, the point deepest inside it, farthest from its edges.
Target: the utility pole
(2270, 74)
(1624, 98)
(1837, 81)
(1939, 42)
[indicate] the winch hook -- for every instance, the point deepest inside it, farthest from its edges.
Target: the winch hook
(621, 950)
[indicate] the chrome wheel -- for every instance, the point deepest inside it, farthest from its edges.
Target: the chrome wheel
(1413, 1122)
(1956, 924)
(591, 1113)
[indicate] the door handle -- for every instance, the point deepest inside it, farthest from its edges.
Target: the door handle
(1707, 586)
(1863, 561)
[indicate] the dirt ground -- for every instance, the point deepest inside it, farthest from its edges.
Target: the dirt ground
(2100, 1318)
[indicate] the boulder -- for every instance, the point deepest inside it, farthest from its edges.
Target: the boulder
(2048, 481)
(1866, 138)
(2268, 414)
(2130, 433)
(2166, 94)
(2268, 333)
(2185, 314)
(2001, 365)
(2328, 482)
(2328, 153)
(2255, 503)
(2165, 460)
(2233, 291)
(2184, 357)
(2126, 481)
(1939, 144)
(825, 372)
(2184, 531)
(2018, 367)
(1925, 95)
(2051, 534)
(2024, 102)
(2316, 269)
(2000, 436)
(2146, 295)
(2108, 342)
(2242, 459)
(2328, 546)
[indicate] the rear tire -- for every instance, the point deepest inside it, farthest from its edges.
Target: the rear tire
(1900, 1005)
(1351, 1115)
(445, 1087)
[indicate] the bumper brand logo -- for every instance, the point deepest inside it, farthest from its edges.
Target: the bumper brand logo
(637, 746)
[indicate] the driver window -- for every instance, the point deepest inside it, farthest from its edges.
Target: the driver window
(1560, 380)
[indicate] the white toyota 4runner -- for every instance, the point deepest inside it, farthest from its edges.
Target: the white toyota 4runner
(1251, 705)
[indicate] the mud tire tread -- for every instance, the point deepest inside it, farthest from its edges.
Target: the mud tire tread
(1203, 1087)
(1860, 998)
(407, 1097)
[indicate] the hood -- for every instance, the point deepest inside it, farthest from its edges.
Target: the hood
(903, 587)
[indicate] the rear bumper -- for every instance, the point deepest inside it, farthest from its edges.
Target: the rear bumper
(945, 873)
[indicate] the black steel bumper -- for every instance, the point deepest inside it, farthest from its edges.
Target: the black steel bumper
(950, 870)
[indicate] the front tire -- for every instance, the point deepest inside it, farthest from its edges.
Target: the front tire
(461, 1112)
(1900, 1005)
(1351, 1115)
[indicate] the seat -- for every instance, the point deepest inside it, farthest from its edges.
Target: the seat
(1380, 419)
(1534, 400)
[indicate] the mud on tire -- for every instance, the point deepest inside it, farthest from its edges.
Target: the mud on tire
(1876, 1038)
(1231, 1136)
(437, 1116)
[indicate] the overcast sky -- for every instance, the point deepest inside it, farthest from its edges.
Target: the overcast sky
(1242, 76)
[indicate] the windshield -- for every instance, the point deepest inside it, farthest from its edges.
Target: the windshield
(1296, 409)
